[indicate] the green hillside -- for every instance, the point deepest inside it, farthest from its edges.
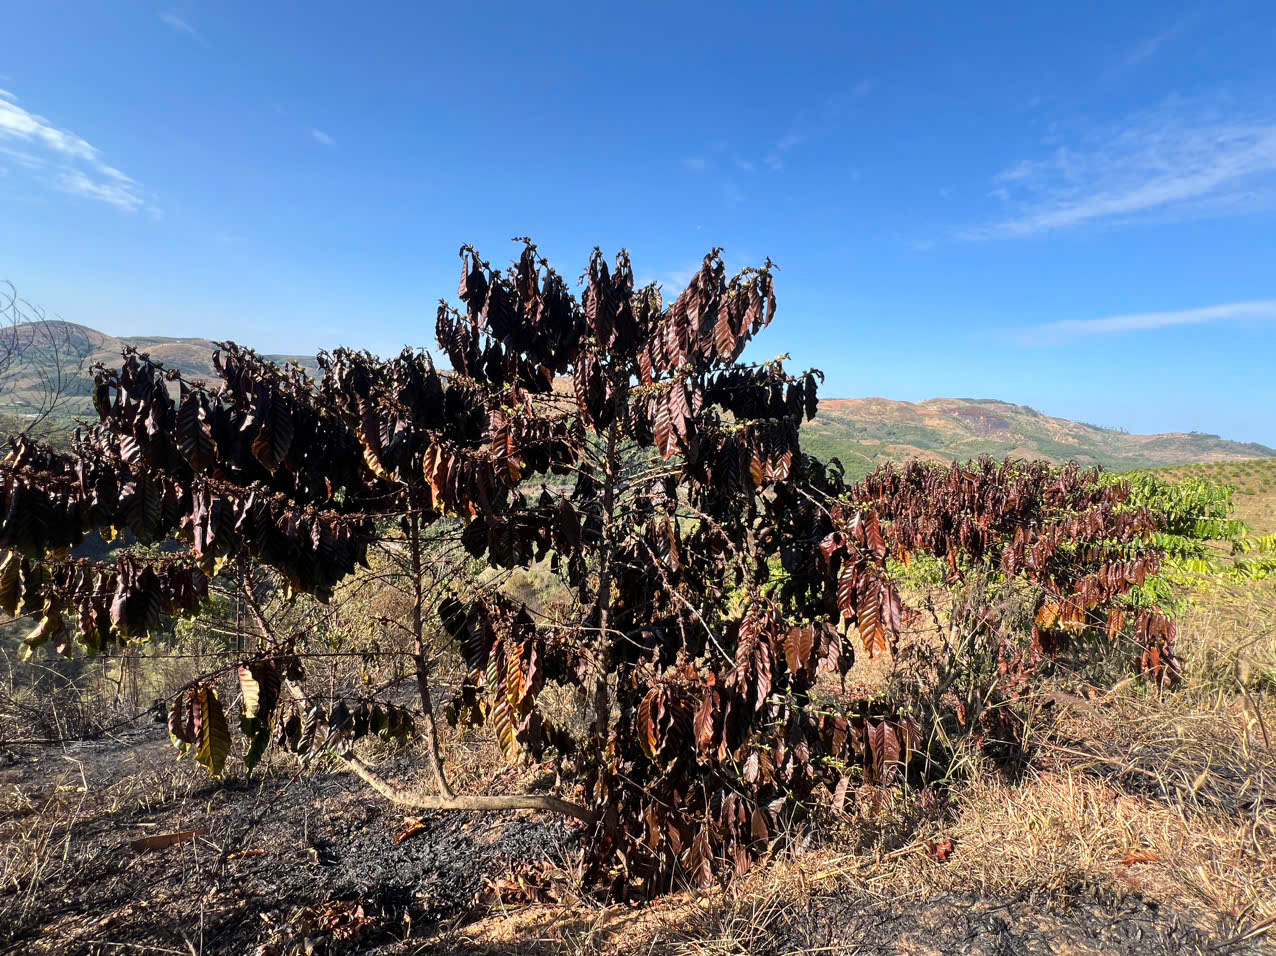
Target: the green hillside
(859, 432)
(864, 432)
(43, 350)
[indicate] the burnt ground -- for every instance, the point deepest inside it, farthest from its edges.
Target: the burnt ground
(280, 849)
(308, 863)
(864, 924)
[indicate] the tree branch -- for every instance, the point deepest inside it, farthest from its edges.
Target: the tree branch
(421, 801)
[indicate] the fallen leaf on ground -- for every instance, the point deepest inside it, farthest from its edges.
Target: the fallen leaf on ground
(411, 827)
(162, 840)
(941, 851)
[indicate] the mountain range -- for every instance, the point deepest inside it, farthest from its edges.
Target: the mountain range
(860, 432)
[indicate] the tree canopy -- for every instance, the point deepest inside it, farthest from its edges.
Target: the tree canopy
(715, 571)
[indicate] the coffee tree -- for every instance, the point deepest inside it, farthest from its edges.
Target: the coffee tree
(716, 574)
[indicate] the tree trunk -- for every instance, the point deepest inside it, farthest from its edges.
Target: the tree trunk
(602, 695)
(419, 658)
(415, 799)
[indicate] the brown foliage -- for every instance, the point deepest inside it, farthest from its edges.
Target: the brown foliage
(716, 569)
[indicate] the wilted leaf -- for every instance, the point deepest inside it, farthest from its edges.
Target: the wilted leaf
(941, 850)
(213, 745)
(412, 826)
(163, 840)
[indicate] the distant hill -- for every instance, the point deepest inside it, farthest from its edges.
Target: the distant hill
(78, 348)
(860, 432)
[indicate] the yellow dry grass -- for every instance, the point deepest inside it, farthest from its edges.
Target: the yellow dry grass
(1163, 799)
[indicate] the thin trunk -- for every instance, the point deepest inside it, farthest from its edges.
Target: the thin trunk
(419, 659)
(447, 800)
(602, 696)
(416, 800)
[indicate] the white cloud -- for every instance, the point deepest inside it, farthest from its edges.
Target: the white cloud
(1055, 333)
(64, 161)
(322, 138)
(119, 193)
(177, 23)
(22, 158)
(1181, 160)
(697, 164)
(15, 122)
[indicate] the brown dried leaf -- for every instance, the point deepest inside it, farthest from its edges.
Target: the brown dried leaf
(163, 840)
(412, 826)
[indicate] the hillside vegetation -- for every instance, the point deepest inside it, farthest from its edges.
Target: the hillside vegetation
(861, 433)
(83, 347)
(1254, 483)
(865, 432)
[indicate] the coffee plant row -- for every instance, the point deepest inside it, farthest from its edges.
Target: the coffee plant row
(717, 572)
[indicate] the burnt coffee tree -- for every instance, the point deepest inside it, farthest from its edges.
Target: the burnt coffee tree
(716, 573)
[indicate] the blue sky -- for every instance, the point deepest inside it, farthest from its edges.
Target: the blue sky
(1067, 205)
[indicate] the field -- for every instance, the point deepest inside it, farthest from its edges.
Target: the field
(1135, 821)
(1254, 483)
(865, 432)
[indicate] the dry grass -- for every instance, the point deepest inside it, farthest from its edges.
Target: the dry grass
(1131, 799)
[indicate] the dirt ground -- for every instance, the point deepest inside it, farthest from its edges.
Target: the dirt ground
(278, 851)
(308, 863)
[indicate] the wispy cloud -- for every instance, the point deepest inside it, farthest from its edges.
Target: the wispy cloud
(697, 164)
(1146, 48)
(120, 193)
(322, 138)
(1150, 46)
(63, 161)
(1181, 160)
(169, 18)
(175, 23)
(810, 124)
(22, 158)
(1056, 333)
(797, 134)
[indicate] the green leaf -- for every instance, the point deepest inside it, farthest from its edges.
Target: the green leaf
(258, 733)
